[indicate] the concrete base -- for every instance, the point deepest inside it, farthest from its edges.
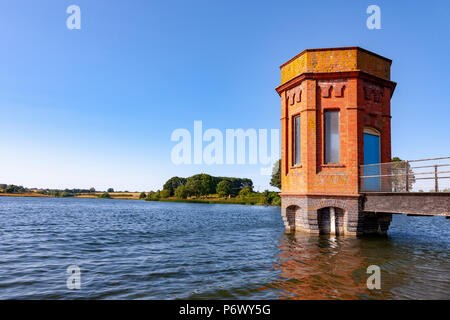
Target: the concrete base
(332, 215)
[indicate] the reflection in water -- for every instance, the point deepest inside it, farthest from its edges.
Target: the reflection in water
(321, 267)
(329, 267)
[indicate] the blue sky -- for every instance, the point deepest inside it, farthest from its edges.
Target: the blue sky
(96, 107)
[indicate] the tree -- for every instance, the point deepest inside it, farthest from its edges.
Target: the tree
(271, 198)
(153, 196)
(181, 192)
(276, 175)
(276, 201)
(237, 184)
(174, 183)
(208, 184)
(165, 193)
(15, 189)
(224, 188)
(245, 191)
(150, 195)
(398, 171)
(142, 195)
(105, 195)
(110, 190)
(204, 184)
(266, 197)
(194, 187)
(92, 190)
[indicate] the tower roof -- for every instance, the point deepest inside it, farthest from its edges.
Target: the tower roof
(343, 59)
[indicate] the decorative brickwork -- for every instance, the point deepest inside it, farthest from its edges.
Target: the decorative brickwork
(294, 95)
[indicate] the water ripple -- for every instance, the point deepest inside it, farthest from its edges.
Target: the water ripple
(149, 250)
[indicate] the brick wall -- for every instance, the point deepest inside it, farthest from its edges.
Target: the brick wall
(351, 80)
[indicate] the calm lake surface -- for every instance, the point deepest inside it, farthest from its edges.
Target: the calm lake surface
(128, 249)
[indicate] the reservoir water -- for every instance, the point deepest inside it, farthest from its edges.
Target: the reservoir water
(129, 249)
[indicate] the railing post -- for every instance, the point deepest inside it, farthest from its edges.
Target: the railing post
(436, 185)
(407, 176)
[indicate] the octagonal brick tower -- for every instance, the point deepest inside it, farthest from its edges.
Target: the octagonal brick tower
(333, 102)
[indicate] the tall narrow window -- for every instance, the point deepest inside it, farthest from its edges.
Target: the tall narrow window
(332, 146)
(297, 139)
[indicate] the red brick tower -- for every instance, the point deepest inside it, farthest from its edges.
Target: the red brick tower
(335, 116)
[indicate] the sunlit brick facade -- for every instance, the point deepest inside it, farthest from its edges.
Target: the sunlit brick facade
(337, 93)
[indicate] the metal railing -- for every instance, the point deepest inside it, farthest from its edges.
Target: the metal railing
(424, 175)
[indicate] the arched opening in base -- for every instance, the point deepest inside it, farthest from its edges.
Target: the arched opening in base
(330, 220)
(291, 212)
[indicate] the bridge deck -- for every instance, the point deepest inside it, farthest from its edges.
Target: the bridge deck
(413, 203)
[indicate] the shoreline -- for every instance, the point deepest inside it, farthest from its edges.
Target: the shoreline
(205, 201)
(26, 195)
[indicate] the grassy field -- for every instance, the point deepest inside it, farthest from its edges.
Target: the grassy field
(27, 194)
(114, 195)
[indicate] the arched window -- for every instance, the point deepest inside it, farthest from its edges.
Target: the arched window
(372, 131)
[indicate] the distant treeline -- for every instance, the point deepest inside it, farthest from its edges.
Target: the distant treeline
(204, 184)
(204, 187)
(65, 192)
(13, 189)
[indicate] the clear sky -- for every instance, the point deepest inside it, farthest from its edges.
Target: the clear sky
(96, 107)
